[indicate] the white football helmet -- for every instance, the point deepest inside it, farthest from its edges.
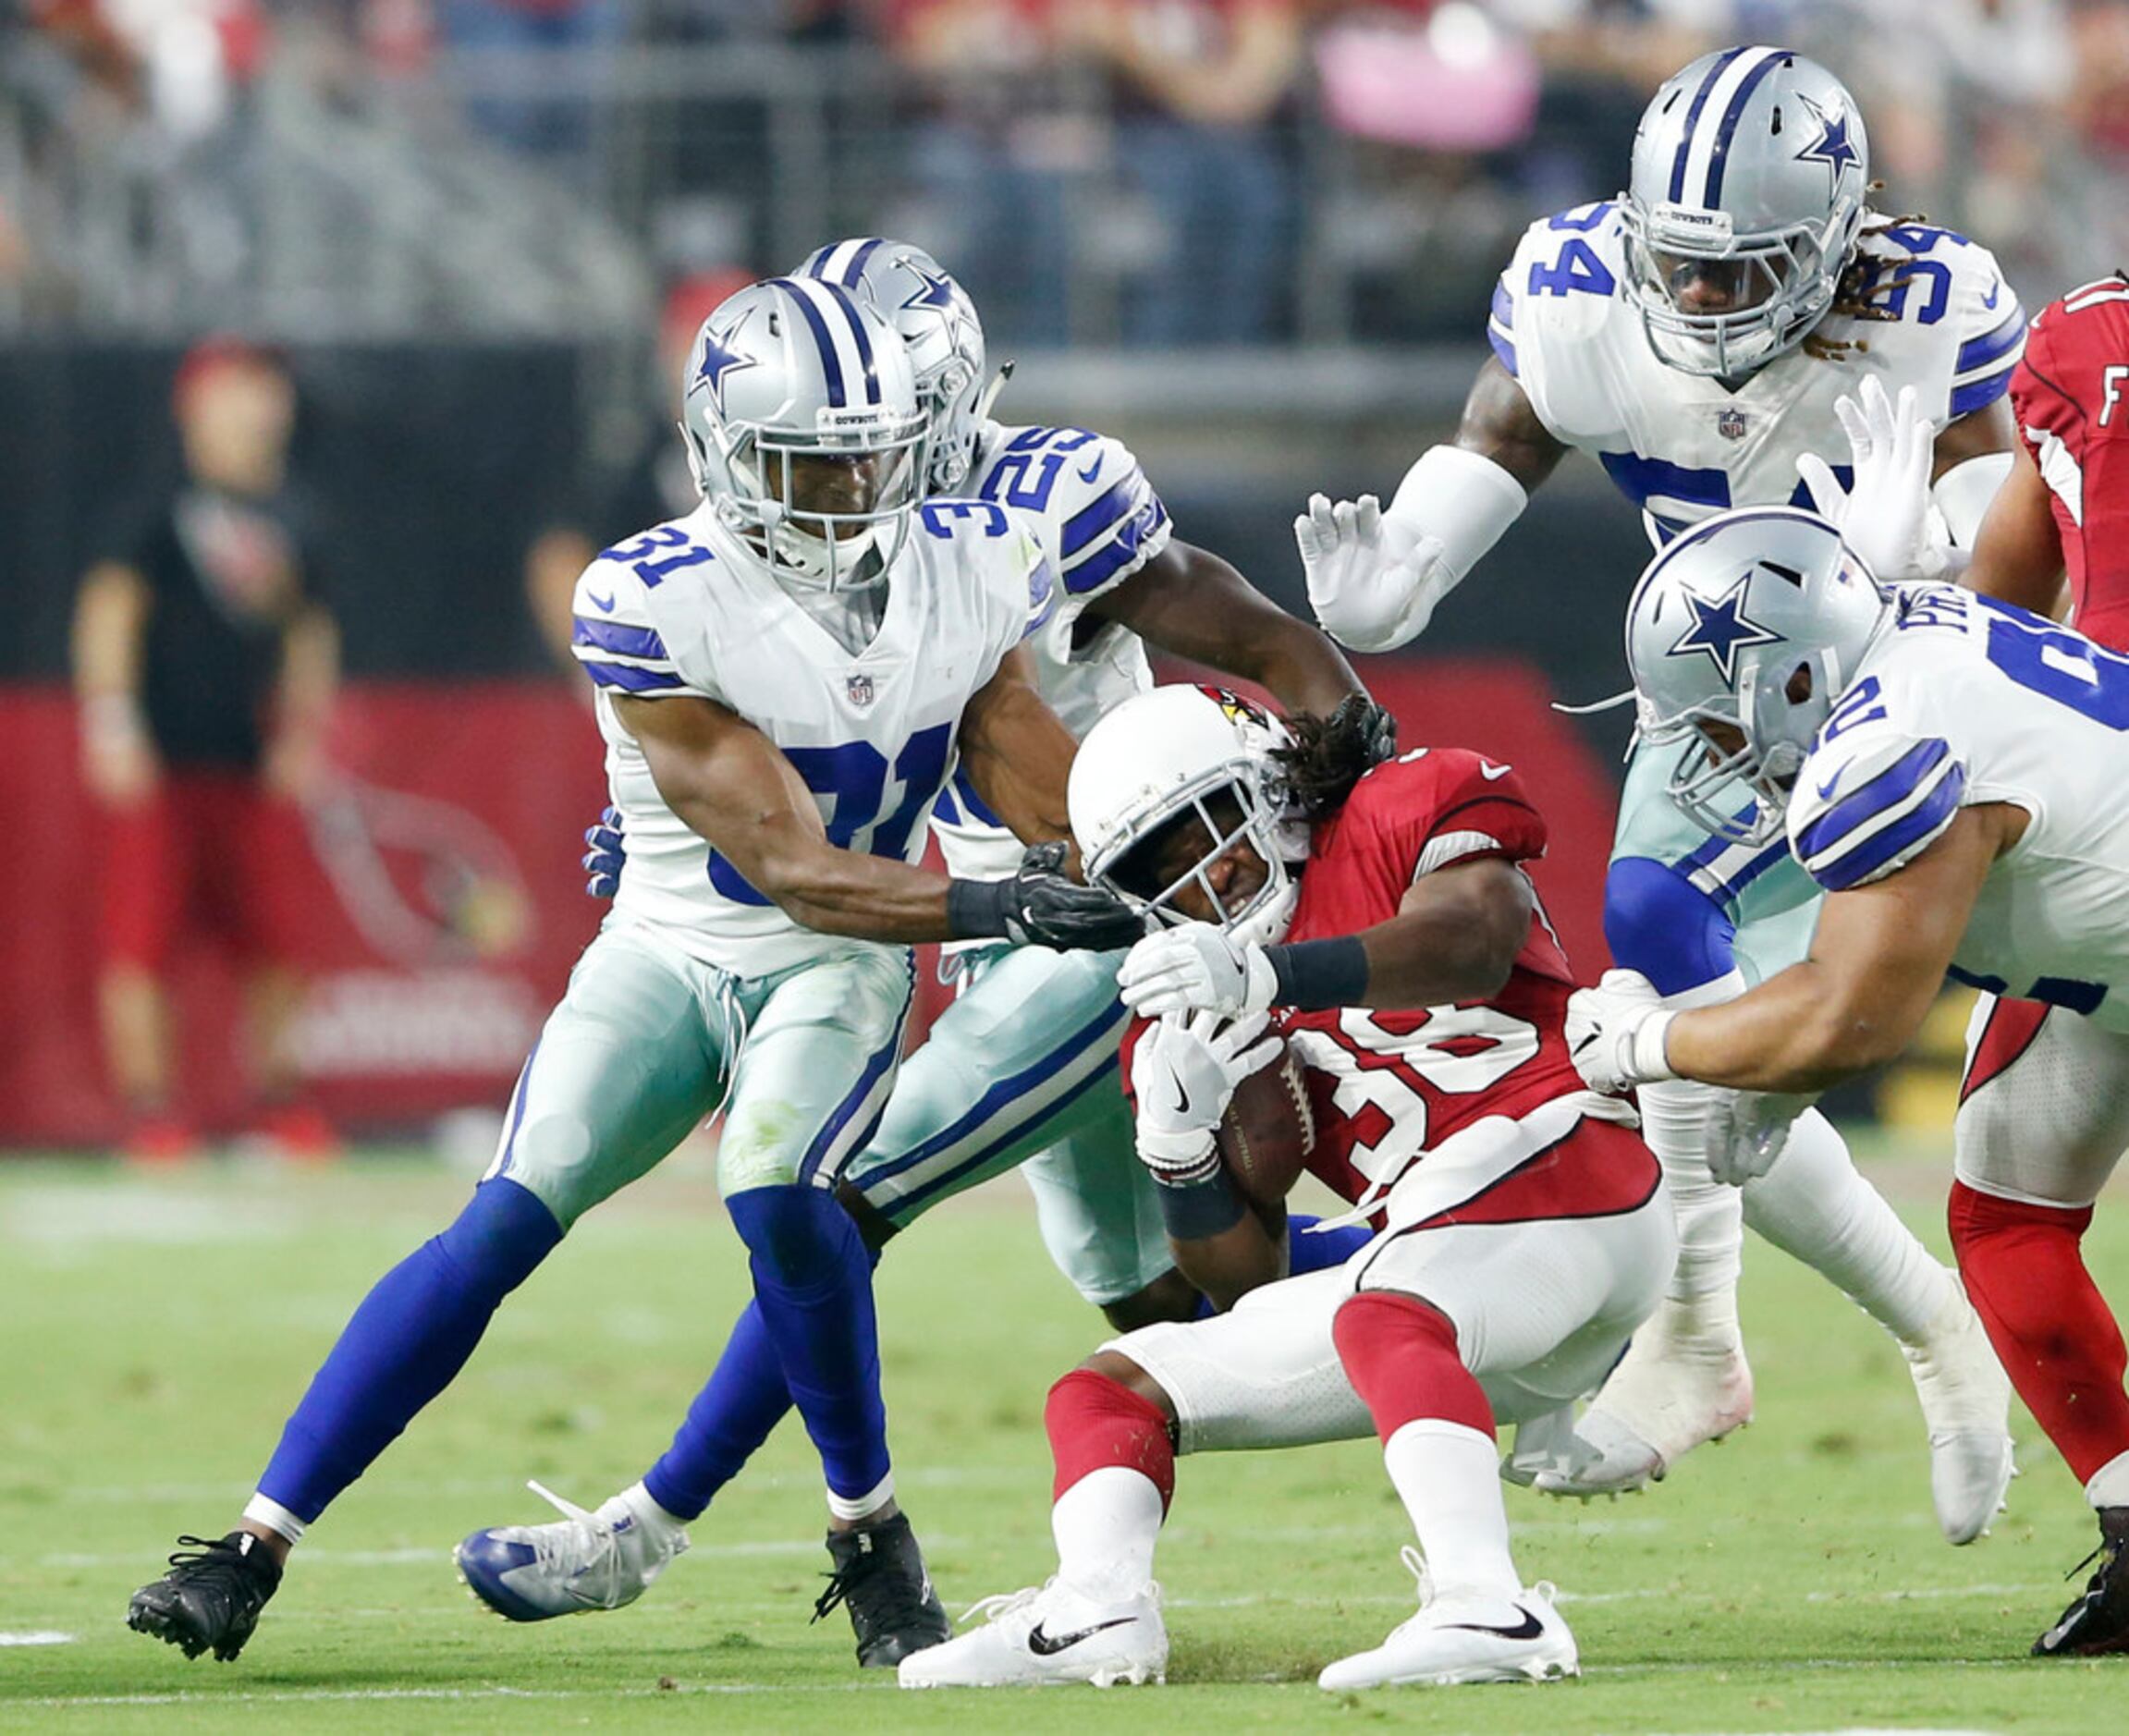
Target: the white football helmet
(1751, 170)
(1169, 754)
(803, 431)
(1718, 628)
(910, 289)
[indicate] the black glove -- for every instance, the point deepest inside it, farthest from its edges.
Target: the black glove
(1359, 736)
(1040, 906)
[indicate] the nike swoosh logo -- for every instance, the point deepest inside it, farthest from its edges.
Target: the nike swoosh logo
(1049, 1645)
(1995, 289)
(603, 604)
(1529, 1628)
(1830, 786)
(1181, 1098)
(1491, 772)
(1092, 471)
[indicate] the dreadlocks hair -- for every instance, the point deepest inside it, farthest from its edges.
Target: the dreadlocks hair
(1863, 288)
(1318, 768)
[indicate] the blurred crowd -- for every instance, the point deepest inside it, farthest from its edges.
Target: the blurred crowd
(1158, 172)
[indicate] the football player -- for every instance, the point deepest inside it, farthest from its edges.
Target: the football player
(1525, 1235)
(2044, 1111)
(786, 677)
(1022, 1068)
(1949, 769)
(1694, 334)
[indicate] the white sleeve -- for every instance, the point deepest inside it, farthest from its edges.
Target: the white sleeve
(1109, 521)
(1552, 312)
(1873, 798)
(616, 637)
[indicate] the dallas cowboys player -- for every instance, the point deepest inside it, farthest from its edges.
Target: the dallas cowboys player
(1950, 769)
(785, 677)
(1024, 1061)
(1693, 334)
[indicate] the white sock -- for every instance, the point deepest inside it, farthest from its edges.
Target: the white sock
(1816, 1206)
(1448, 1475)
(850, 1508)
(2108, 1486)
(647, 1512)
(1105, 1526)
(260, 1510)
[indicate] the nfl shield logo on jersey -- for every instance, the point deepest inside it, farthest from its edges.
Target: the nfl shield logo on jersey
(1729, 424)
(859, 689)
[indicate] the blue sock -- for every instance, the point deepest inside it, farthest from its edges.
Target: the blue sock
(745, 1399)
(411, 1335)
(1312, 1252)
(813, 1284)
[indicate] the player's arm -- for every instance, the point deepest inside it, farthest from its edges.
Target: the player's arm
(2018, 552)
(729, 783)
(110, 634)
(1017, 754)
(1376, 577)
(303, 699)
(1190, 603)
(1968, 464)
(1878, 958)
(1226, 1265)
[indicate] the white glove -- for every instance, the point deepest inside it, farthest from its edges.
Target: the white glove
(1886, 517)
(1747, 1131)
(1373, 580)
(1615, 1033)
(1183, 1076)
(1196, 968)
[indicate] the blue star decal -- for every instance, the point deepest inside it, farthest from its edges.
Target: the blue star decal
(718, 362)
(1832, 146)
(937, 292)
(1722, 628)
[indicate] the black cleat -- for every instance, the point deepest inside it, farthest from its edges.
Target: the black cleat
(211, 1598)
(2098, 1620)
(880, 1578)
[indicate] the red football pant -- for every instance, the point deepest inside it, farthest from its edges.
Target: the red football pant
(2052, 1330)
(1401, 1358)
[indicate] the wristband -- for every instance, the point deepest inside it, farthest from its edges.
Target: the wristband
(976, 909)
(1317, 975)
(1194, 1210)
(1651, 1037)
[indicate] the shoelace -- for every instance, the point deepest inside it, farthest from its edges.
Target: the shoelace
(1002, 1603)
(213, 1551)
(899, 1602)
(571, 1551)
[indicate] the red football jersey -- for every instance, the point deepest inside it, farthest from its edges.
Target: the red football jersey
(2071, 395)
(1384, 1084)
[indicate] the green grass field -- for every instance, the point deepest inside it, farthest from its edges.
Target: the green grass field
(155, 1331)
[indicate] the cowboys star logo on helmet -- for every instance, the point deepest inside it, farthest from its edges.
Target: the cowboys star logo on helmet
(1722, 628)
(1831, 147)
(718, 362)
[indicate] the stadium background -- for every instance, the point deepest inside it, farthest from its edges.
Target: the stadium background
(1255, 238)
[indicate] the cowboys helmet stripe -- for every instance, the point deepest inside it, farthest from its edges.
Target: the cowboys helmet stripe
(846, 352)
(1719, 156)
(1692, 121)
(841, 262)
(1706, 145)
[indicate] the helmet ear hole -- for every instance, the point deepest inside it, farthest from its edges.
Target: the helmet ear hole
(1800, 685)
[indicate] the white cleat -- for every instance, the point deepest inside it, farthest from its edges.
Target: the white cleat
(580, 1562)
(1672, 1391)
(1048, 1634)
(1966, 1402)
(1455, 1640)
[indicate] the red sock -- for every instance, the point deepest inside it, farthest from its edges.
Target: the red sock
(1094, 1421)
(1401, 1355)
(2052, 1330)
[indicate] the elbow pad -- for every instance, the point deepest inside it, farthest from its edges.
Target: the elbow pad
(1461, 503)
(1962, 494)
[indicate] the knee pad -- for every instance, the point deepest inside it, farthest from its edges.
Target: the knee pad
(797, 1235)
(1659, 923)
(505, 1231)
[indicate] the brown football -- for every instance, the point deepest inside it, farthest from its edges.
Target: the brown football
(1268, 1130)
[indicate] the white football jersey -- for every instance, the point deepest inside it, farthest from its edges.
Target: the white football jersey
(1102, 522)
(1963, 701)
(1684, 448)
(684, 609)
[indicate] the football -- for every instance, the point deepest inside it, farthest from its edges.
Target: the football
(1268, 1133)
